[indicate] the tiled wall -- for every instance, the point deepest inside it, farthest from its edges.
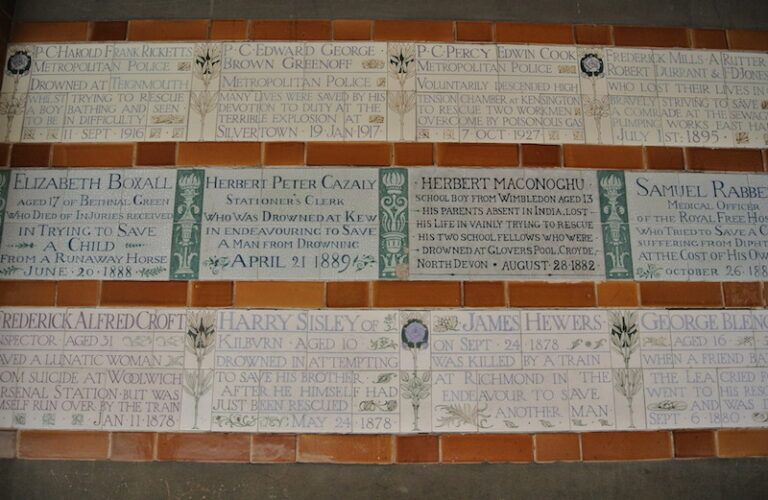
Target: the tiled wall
(385, 448)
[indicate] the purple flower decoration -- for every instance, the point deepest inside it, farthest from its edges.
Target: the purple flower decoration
(592, 65)
(19, 63)
(415, 334)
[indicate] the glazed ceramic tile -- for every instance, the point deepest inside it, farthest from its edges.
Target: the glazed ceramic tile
(513, 222)
(524, 401)
(747, 88)
(591, 400)
(742, 397)
(655, 341)
(350, 66)
(365, 116)
(456, 68)
(373, 371)
(697, 121)
(686, 73)
(538, 69)
(636, 120)
(565, 340)
(703, 234)
(680, 399)
(44, 116)
(437, 118)
(262, 66)
(716, 339)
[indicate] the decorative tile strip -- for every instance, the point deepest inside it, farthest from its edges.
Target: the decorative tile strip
(377, 91)
(382, 371)
(342, 224)
(187, 214)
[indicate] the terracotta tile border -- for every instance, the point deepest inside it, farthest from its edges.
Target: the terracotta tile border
(377, 294)
(394, 30)
(384, 154)
(607, 446)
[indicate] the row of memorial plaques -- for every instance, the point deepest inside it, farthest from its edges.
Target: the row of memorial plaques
(389, 223)
(377, 91)
(382, 370)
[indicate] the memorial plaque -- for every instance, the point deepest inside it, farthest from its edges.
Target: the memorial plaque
(698, 227)
(377, 91)
(372, 371)
(290, 223)
(504, 222)
(87, 224)
(387, 223)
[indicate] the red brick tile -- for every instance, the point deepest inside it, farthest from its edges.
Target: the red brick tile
(107, 31)
(211, 293)
(208, 447)
(298, 29)
(149, 29)
(414, 154)
(31, 155)
(617, 294)
(486, 155)
(694, 444)
(681, 294)
(416, 293)
(742, 294)
(5, 149)
(473, 31)
(664, 158)
(50, 32)
(538, 155)
(279, 294)
(64, 444)
(625, 445)
(284, 153)
(742, 442)
(219, 153)
(589, 34)
(636, 36)
(742, 160)
(78, 293)
(352, 29)
(557, 447)
(229, 29)
(27, 293)
(534, 33)
(748, 40)
(537, 294)
(708, 39)
(337, 153)
(156, 153)
(347, 294)
(418, 31)
(345, 449)
(7, 444)
(484, 294)
(133, 446)
(273, 448)
(478, 448)
(92, 155)
(144, 293)
(585, 156)
(417, 449)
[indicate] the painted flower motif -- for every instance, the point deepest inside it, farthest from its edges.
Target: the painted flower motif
(592, 65)
(415, 334)
(400, 61)
(19, 63)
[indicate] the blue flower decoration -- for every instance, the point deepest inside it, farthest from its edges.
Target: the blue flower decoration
(592, 65)
(415, 334)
